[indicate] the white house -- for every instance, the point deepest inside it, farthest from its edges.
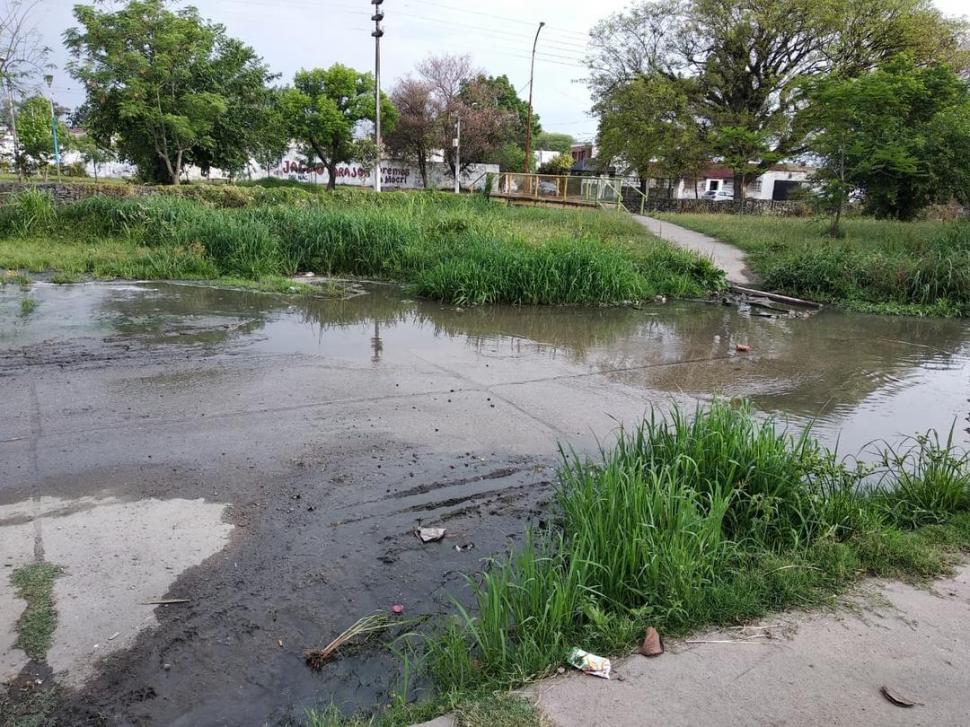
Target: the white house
(777, 183)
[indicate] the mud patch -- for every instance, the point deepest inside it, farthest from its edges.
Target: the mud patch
(116, 556)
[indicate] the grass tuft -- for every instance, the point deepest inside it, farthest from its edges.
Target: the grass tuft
(35, 629)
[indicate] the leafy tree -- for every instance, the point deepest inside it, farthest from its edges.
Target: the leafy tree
(93, 153)
(899, 135)
(323, 111)
(168, 87)
(502, 93)
(647, 128)
(746, 58)
(552, 141)
(559, 164)
(34, 135)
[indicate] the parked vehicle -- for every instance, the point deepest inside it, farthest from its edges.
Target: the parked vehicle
(718, 195)
(547, 187)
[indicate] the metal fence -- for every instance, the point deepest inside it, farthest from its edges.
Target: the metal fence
(553, 189)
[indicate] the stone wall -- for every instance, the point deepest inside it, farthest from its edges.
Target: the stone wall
(766, 207)
(66, 192)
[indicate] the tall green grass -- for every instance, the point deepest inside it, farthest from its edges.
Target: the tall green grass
(465, 250)
(894, 267)
(693, 520)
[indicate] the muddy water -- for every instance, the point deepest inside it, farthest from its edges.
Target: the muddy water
(333, 428)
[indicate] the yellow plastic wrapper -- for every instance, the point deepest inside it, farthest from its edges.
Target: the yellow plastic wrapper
(591, 664)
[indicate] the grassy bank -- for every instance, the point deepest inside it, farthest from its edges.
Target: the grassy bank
(916, 268)
(35, 629)
(688, 521)
(465, 250)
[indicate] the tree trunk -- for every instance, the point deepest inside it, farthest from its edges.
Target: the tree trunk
(423, 168)
(332, 174)
(738, 182)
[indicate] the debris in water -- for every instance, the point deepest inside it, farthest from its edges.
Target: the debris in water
(466, 546)
(896, 698)
(280, 643)
(397, 609)
(114, 636)
(431, 535)
(165, 602)
(652, 644)
(315, 658)
(742, 348)
(591, 664)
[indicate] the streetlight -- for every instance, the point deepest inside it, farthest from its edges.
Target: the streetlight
(57, 150)
(377, 17)
(458, 150)
(13, 115)
(532, 75)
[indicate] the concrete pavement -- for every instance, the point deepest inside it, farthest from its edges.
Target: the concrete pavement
(727, 257)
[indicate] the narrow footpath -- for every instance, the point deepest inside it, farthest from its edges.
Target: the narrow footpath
(727, 257)
(821, 668)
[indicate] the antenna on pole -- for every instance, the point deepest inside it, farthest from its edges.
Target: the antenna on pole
(377, 17)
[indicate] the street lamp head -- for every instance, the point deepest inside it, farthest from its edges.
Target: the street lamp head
(542, 23)
(49, 79)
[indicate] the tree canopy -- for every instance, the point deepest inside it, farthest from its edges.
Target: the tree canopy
(35, 137)
(324, 108)
(746, 59)
(167, 88)
(899, 135)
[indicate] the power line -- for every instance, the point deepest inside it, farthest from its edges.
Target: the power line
(518, 21)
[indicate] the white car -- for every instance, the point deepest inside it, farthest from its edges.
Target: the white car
(718, 195)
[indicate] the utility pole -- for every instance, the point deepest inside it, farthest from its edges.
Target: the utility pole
(528, 126)
(377, 34)
(458, 155)
(13, 118)
(57, 149)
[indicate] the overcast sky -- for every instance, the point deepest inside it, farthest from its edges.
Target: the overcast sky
(292, 34)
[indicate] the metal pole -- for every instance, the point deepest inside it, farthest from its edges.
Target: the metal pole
(458, 156)
(13, 128)
(57, 149)
(378, 32)
(528, 126)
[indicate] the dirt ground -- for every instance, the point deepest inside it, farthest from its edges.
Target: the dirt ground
(269, 463)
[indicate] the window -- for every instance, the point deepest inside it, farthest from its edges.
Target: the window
(713, 185)
(756, 185)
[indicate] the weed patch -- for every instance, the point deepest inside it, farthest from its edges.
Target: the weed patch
(463, 250)
(899, 268)
(35, 629)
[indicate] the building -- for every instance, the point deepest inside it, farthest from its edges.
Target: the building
(779, 182)
(583, 157)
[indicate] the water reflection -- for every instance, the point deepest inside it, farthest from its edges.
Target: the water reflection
(864, 374)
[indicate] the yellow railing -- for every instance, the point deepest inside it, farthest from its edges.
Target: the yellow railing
(552, 188)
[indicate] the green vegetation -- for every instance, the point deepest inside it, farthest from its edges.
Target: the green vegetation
(919, 268)
(29, 708)
(27, 306)
(715, 518)
(465, 250)
(35, 630)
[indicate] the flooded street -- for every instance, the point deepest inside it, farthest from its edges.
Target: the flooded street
(309, 438)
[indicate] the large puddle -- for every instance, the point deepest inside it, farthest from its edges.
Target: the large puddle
(332, 428)
(857, 377)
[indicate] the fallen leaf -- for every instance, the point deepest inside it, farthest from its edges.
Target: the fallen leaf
(896, 698)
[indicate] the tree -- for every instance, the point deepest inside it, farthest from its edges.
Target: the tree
(416, 133)
(324, 109)
(899, 135)
(93, 153)
(168, 87)
(746, 58)
(34, 135)
(559, 164)
(647, 128)
(551, 141)
(22, 56)
(488, 129)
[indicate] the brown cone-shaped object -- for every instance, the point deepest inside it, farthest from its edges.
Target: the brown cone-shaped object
(652, 644)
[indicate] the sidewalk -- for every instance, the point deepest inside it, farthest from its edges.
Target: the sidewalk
(815, 669)
(727, 257)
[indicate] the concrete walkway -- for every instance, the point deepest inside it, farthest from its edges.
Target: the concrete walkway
(793, 669)
(727, 257)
